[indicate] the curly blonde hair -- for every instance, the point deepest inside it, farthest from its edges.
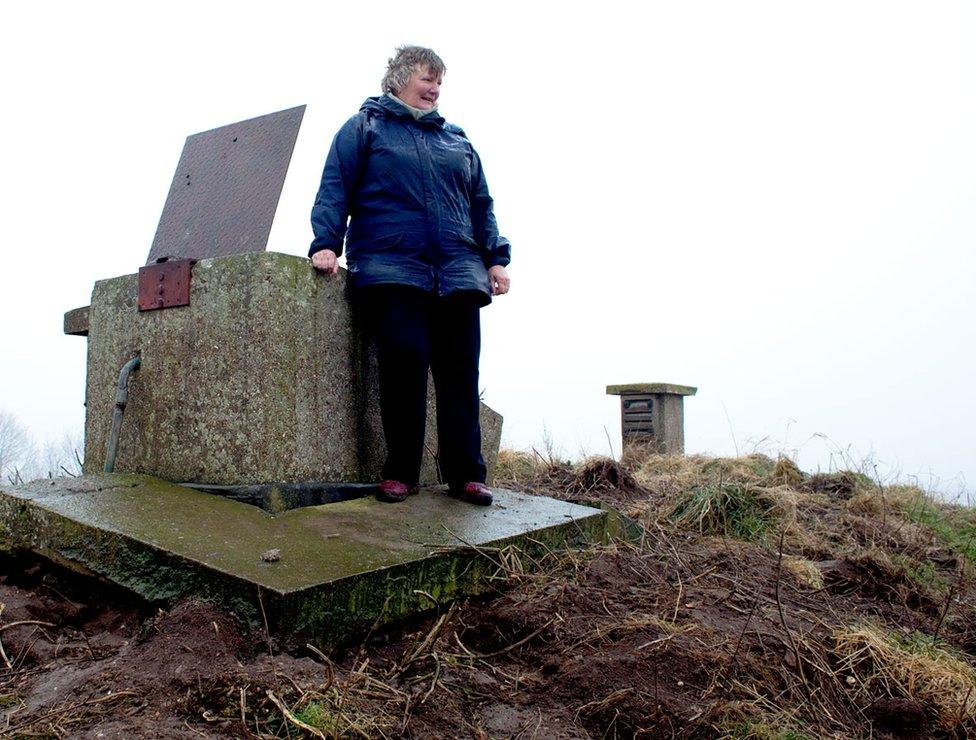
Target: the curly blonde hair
(406, 61)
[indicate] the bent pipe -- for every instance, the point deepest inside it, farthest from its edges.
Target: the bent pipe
(121, 398)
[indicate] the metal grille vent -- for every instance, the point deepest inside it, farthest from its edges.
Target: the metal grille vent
(638, 415)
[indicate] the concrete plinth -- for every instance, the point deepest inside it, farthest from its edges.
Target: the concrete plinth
(262, 378)
(652, 415)
(342, 567)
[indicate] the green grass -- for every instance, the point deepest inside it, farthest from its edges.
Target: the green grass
(760, 731)
(761, 465)
(922, 573)
(728, 509)
(337, 718)
(919, 643)
(318, 715)
(955, 526)
(9, 700)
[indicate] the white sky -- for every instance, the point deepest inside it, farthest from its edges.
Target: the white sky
(773, 201)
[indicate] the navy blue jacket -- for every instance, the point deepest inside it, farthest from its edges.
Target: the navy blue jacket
(417, 203)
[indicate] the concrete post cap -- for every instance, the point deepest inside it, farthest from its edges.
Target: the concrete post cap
(76, 321)
(650, 389)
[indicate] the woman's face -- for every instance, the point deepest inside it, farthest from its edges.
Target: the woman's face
(422, 90)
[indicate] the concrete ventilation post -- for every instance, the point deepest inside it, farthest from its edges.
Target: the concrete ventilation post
(652, 415)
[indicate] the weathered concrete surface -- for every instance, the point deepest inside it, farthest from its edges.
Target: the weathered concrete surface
(640, 388)
(262, 378)
(342, 568)
(246, 384)
(76, 321)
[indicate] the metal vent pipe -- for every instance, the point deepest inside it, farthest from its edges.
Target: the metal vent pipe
(121, 398)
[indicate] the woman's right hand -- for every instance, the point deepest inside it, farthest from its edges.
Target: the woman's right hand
(325, 260)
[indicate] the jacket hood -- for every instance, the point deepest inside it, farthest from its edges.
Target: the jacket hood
(383, 106)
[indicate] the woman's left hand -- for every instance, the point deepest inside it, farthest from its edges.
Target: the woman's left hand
(498, 279)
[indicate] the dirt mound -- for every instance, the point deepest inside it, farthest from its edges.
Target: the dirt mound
(86, 659)
(598, 480)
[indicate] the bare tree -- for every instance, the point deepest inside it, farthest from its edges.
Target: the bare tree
(16, 447)
(61, 456)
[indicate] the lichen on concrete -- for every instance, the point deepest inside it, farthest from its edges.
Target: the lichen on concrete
(263, 377)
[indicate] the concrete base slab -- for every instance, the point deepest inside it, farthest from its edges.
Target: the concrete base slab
(341, 568)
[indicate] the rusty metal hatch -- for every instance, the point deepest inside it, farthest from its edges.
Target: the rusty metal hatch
(164, 285)
(226, 188)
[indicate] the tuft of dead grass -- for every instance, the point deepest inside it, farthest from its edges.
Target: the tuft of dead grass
(805, 571)
(517, 467)
(914, 666)
(841, 485)
(684, 471)
(600, 474)
(786, 473)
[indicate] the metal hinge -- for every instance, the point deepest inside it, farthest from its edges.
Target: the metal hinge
(164, 285)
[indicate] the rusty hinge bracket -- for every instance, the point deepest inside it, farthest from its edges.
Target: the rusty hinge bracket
(164, 285)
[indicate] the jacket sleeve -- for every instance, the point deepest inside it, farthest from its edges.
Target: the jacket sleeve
(340, 179)
(498, 251)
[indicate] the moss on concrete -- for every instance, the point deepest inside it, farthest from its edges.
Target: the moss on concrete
(651, 389)
(342, 567)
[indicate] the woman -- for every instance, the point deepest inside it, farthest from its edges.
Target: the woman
(424, 255)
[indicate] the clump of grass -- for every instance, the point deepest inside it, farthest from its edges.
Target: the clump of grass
(805, 571)
(336, 714)
(759, 731)
(786, 473)
(598, 474)
(916, 666)
(755, 465)
(317, 715)
(759, 719)
(517, 467)
(922, 573)
(735, 510)
(762, 465)
(594, 481)
(844, 484)
(685, 471)
(954, 525)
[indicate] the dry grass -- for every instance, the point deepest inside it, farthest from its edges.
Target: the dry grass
(805, 571)
(786, 473)
(687, 470)
(915, 666)
(348, 708)
(516, 467)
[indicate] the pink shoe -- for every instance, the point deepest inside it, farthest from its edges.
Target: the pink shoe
(394, 492)
(473, 492)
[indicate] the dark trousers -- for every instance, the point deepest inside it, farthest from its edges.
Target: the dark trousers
(416, 331)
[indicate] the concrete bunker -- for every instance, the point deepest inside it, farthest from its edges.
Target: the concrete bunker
(229, 447)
